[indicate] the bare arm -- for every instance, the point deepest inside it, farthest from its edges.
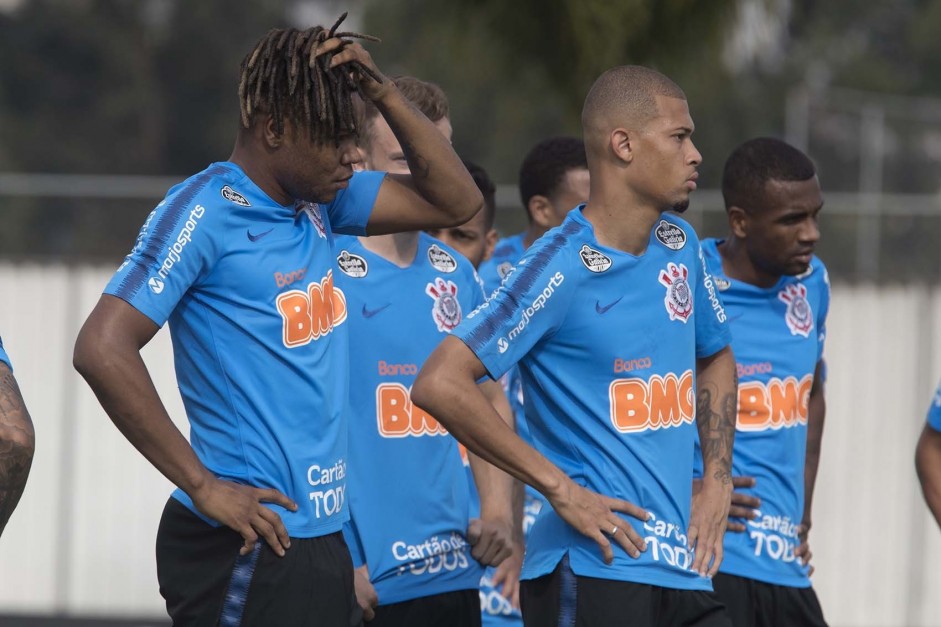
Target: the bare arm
(439, 192)
(492, 535)
(816, 414)
(446, 388)
(928, 465)
(716, 404)
(17, 444)
(107, 355)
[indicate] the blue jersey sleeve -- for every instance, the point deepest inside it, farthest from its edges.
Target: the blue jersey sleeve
(350, 210)
(177, 246)
(351, 535)
(4, 357)
(530, 305)
(712, 328)
(824, 309)
(934, 412)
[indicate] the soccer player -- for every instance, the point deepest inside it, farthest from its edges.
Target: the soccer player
(499, 587)
(17, 441)
(616, 326)
(776, 294)
(552, 180)
(928, 457)
(409, 500)
(238, 259)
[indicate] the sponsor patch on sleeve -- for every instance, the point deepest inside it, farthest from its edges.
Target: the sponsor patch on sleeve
(233, 196)
(670, 235)
(441, 259)
(352, 265)
(594, 260)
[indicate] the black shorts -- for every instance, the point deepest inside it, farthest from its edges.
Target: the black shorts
(448, 609)
(564, 599)
(205, 581)
(753, 603)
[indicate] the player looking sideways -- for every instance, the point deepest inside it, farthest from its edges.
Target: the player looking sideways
(418, 554)
(17, 441)
(776, 294)
(928, 457)
(552, 179)
(609, 315)
(238, 259)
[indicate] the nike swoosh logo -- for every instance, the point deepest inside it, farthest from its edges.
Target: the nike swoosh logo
(604, 309)
(255, 238)
(369, 313)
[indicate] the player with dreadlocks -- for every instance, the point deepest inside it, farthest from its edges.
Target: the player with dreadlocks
(238, 260)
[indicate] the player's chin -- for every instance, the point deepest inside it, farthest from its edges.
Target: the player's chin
(680, 206)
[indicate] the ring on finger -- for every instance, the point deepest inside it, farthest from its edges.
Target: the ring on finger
(615, 530)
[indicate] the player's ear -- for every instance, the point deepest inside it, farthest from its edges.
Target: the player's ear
(490, 240)
(620, 142)
(542, 211)
(738, 221)
(269, 130)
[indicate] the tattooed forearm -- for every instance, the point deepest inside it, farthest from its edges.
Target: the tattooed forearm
(17, 443)
(716, 432)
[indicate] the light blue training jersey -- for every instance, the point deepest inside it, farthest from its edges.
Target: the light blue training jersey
(258, 331)
(607, 344)
(778, 338)
(934, 412)
(408, 495)
(4, 357)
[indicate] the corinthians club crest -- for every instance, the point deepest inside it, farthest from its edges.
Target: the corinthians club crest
(447, 310)
(798, 316)
(679, 298)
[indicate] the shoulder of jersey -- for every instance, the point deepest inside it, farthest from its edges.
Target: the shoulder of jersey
(350, 258)
(816, 272)
(672, 233)
(440, 256)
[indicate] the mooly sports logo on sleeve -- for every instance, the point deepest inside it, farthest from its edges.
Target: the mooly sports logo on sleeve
(798, 315)
(679, 298)
(446, 311)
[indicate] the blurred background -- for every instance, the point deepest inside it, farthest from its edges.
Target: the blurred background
(104, 104)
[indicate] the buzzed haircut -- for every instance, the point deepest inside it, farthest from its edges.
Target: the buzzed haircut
(427, 97)
(487, 189)
(546, 165)
(626, 95)
(284, 77)
(757, 161)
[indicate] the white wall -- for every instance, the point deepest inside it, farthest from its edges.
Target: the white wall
(81, 541)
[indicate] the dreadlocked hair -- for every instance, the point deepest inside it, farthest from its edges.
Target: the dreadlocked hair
(284, 76)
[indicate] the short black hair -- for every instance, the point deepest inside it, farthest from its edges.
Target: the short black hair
(487, 189)
(546, 165)
(757, 161)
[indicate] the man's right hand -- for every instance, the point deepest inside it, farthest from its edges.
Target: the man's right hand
(239, 507)
(365, 592)
(595, 516)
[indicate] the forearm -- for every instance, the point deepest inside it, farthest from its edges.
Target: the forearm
(817, 410)
(716, 405)
(452, 397)
(928, 465)
(117, 375)
(17, 444)
(494, 486)
(437, 173)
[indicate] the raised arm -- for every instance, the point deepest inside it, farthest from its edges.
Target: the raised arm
(716, 385)
(17, 444)
(446, 387)
(439, 192)
(107, 355)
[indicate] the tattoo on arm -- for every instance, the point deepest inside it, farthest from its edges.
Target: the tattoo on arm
(716, 432)
(17, 443)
